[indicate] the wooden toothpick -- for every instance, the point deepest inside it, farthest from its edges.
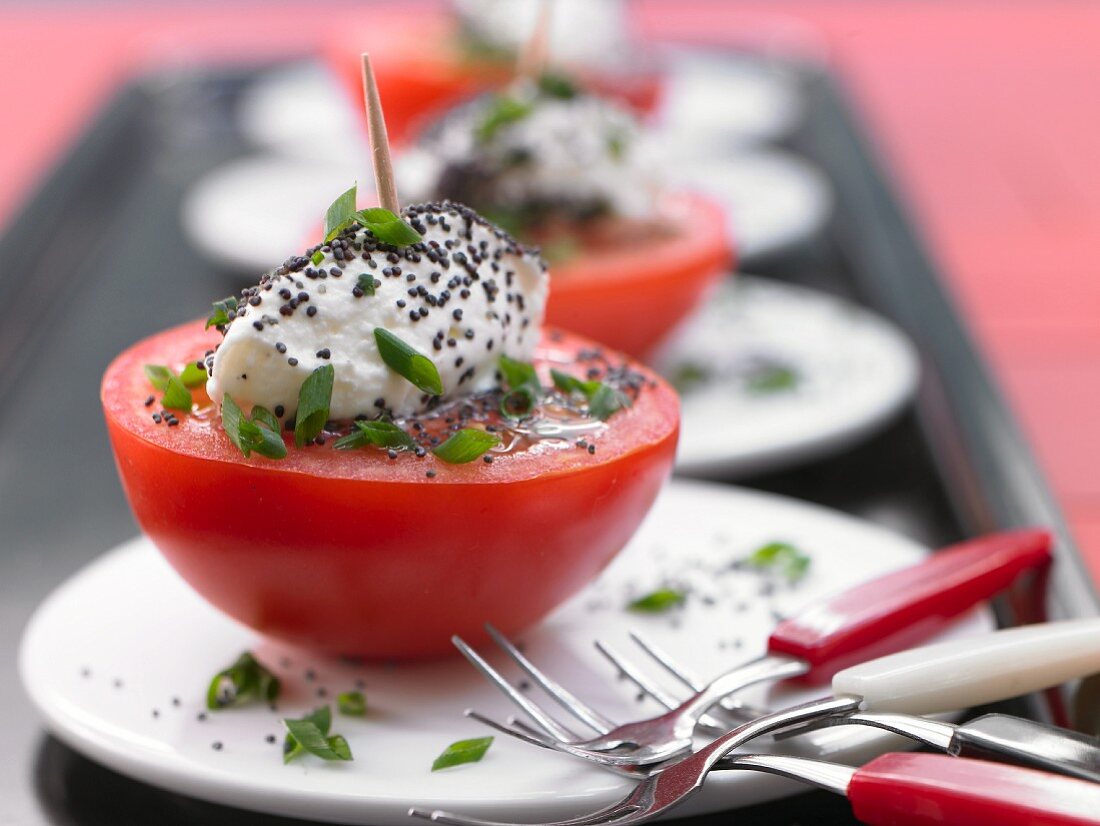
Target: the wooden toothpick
(379, 142)
(535, 53)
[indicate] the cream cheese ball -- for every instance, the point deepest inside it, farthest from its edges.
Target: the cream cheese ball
(537, 156)
(464, 295)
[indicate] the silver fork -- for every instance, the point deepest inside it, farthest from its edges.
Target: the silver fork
(641, 742)
(955, 674)
(660, 790)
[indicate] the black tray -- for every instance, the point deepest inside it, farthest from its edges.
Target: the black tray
(97, 259)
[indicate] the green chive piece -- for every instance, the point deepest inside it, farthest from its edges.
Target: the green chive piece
(222, 309)
(376, 433)
(317, 257)
(176, 395)
(689, 375)
(462, 751)
(466, 445)
(771, 379)
(193, 375)
(261, 434)
(519, 403)
(603, 399)
(556, 85)
(782, 557)
(247, 680)
(314, 399)
(367, 284)
(505, 110)
(311, 734)
(616, 146)
(158, 376)
(525, 389)
(607, 401)
(407, 362)
(388, 227)
(340, 214)
(657, 602)
(352, 703)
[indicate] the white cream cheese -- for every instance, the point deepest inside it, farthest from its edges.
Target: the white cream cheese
(464, 296)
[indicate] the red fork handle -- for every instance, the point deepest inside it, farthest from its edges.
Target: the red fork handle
(895, 611)
(926, 789)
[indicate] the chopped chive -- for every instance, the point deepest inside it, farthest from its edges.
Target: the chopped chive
(222, 309)
(340, 214)
(505, 110)
(782, 557)
(247, 680)
(260, 434)
(352, 703)
(462, 751)
(524, 386)
(193, 376)
(311, 734)
(607, 401)
(366, 283)
(176, 395)
(771, 379)
(388, 227)
(555, 85)
(314, 399)
(317, 257)
(466, 445)
(658, 601)
(158, 376)
(377, 433)
(407, 362)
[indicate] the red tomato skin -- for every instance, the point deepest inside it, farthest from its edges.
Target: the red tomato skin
(420, 73)
(370, 567)
(631, 299)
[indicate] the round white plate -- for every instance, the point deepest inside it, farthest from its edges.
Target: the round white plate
(254, 213)
(774, 200)
(850, 372)
(106, 654)
(714, 103)
(299, 109)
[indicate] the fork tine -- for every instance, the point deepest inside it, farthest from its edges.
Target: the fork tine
(565, 698)
(636, 676)
(737, 708)
(669, 664)
(551, 726)
(526, 735)
(605, 816)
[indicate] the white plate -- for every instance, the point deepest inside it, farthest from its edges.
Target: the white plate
(854, 371)
(254, 213)
(714, 102)
(299, 110)
(775, 200)
(128, 617)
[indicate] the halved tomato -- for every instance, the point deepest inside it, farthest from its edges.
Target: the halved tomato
(354, 553)
(420, 70)
(631, 296)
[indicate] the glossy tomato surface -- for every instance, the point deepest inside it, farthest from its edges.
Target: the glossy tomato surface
(422, 71)
(352, 553)
(630, 296)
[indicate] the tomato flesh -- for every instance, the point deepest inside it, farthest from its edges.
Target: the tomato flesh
(354, 553)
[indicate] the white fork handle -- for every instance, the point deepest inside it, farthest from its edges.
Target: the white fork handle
(976, 670)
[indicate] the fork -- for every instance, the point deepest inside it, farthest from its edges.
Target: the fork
(885, 613)
(955, 674)
(891, 790)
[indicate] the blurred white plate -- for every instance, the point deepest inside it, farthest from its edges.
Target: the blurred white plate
(254, 213)
(715, 102)
(298, 109)
(107, 652)
(775, 200)
(774, 375)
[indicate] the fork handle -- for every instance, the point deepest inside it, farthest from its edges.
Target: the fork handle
(926, 789)
(975, 670)
(895, 611)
